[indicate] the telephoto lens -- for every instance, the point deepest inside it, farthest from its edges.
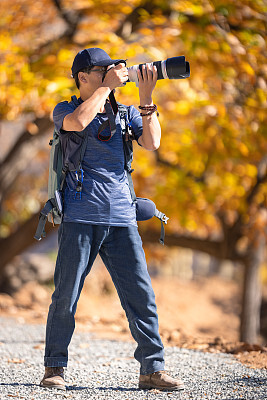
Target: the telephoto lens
(172, 68)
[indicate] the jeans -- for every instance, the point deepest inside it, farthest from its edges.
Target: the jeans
(121, 251)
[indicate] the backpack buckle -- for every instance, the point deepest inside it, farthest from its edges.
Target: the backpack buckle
(165, 219)
(78, 194)
(161, 216)
(79, 178)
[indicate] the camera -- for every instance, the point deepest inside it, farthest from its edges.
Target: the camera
(172, 68)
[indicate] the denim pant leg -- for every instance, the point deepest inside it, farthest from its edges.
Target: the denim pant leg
(78, 246)
(124, 257)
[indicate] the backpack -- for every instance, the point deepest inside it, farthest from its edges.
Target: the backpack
(66, 155)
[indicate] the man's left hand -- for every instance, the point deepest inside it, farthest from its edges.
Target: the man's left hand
(147, 83)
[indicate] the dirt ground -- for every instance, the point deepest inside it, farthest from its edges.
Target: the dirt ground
(201, 314)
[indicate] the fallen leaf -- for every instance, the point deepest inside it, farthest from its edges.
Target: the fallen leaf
(84, 345)
(16, 361)
(39, 346)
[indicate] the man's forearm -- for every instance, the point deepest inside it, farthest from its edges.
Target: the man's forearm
(151, 136)
(86, 112)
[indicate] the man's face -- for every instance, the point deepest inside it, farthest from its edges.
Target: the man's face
(94, 78)
(99, 71)
(97, 74)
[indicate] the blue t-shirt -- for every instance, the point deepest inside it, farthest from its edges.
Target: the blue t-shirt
(106, 197)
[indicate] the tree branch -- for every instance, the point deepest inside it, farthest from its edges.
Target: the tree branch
(133, 20)
(71, 18)
(261, 178)
(177, 167)
(215, 249)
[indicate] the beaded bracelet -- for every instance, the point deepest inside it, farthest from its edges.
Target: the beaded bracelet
(150, 110)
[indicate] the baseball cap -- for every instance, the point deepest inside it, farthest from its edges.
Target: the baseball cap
(92, 57)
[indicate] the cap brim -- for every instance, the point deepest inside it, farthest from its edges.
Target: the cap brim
(106, 63)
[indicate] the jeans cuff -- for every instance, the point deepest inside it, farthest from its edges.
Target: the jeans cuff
(55, 362)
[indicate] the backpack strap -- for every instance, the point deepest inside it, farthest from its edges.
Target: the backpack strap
(127, 130)
(163, 219)
(76, 101)
(127, 146)
(131, 186)
(79, 171)
(40, 232)
(63, 176)
(54, 205)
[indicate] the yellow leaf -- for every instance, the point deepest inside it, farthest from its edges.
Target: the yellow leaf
(5, 42)
(247, 68)
(221, 110)
(183, 107)
(191, 225)
(252, 102)
(243, 149)
(58, 84)
(230, 180)
(262, 96)
(197, 10)
(240, 191)
(185, 139)
(126, 9)
(65, 55)
(211, 131)
(213, 45)
(251, 170)
(50, 59)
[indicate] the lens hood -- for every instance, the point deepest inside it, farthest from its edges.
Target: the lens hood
(177, 68)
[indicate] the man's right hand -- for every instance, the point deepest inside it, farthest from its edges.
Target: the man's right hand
(116, 76)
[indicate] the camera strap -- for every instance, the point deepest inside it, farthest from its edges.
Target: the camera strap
(111, 109)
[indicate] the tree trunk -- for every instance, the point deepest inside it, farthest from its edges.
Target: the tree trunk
(252, 296)
(17, 242)
(20, 154)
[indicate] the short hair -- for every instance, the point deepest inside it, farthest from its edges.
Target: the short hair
(76, 78)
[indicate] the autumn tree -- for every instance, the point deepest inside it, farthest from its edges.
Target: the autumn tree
(210, 171)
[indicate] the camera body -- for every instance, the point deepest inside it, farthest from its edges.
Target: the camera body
(172, 68)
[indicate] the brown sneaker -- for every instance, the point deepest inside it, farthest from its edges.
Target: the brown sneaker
(161, 381)
(54, 378)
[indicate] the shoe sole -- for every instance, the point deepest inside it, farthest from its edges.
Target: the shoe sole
(60, 387)
(144, 386)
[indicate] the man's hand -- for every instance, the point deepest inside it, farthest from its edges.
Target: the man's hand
(116, 76)
(147, 83)
(150, 138)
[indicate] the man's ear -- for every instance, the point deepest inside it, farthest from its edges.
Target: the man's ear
(82, 77)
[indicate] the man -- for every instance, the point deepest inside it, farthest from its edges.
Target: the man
(103, 219)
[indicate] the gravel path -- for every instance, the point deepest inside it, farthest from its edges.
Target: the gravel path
(104, 369)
